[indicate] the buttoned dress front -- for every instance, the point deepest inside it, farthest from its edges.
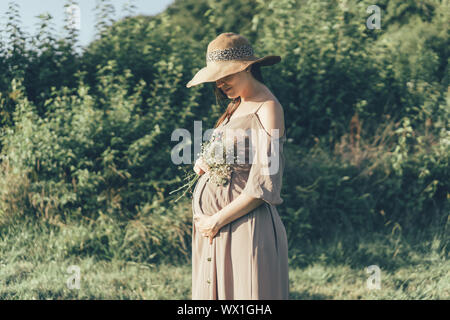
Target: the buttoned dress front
(248, 258)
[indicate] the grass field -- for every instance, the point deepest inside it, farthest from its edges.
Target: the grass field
(34, 264)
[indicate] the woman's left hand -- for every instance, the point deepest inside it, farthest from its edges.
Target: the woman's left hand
(207, 226)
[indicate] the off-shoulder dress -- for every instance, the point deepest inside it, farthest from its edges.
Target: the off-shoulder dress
(248, 258)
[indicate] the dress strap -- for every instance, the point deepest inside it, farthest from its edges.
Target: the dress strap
(258, 108)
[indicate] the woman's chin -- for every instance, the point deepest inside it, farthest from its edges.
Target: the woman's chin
(231, 95)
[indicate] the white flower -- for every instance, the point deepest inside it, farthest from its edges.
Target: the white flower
(217, 154)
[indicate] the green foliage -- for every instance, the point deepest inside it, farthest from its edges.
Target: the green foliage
(364, 190)
(86, 136)
(334, 67)
(40, 270)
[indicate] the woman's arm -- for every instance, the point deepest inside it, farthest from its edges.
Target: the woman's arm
(240, 206)
(270, 115)
(208, 226)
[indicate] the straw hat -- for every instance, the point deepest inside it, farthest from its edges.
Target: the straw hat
(227, 54)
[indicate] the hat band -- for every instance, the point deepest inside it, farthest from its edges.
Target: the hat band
(230, 53)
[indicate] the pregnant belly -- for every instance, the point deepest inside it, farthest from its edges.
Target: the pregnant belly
(208, 198)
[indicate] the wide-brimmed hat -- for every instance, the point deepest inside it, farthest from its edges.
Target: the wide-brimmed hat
(227, 54)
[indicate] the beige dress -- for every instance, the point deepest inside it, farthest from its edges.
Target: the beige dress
(248, 258)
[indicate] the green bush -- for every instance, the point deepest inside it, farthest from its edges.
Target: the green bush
(366, 116)
(366, 189)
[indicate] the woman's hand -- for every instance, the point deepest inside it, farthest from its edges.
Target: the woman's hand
(201, 166)
(208, 226)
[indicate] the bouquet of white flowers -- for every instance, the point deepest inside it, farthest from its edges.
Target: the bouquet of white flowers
(217, 154)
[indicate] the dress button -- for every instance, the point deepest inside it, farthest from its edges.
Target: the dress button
(209, 281)
(209, 259)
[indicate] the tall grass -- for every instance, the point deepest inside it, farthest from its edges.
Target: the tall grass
(35, 257)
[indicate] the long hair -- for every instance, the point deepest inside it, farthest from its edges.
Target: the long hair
(221, 97)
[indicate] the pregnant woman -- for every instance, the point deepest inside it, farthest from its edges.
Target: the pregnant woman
(239, 243)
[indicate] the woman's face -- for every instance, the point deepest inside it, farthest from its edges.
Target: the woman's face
(233, 84)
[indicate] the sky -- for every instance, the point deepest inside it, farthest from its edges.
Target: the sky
(30, 9)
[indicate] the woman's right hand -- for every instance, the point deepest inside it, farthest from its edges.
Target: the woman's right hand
(200, 166)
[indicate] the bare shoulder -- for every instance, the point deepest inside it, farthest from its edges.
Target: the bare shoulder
(271, 116)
